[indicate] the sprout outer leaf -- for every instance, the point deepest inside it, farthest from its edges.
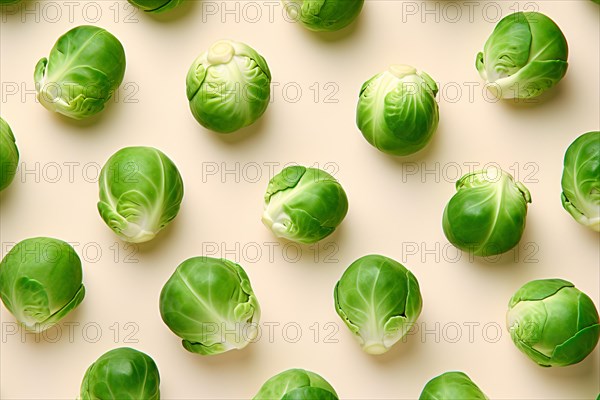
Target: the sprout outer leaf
(304, 205)
(85, 67)
(397, 112)
(295, 383)
(41, 282)
(553, 323)
(9, 155)
(525, 55)
(209, 303)
(581, 180)
(141, 192)
(453, 385)
(379, 300)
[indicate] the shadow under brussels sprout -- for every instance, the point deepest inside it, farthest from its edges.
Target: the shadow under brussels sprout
(336, 36)
(223, 360)
(83, 125)
(556, 95)
(586, 236)
(581, 371)
(452, 385)
(429, 152)
(7, 196)
(407, 347)
(523, 257)
(181, 11)
(121, 373)
(112, 111)
(56, 334)
(6, 4)
(166, 238)
(249, 132)
(296, 384)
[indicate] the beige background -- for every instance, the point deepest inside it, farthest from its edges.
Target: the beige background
(395, 205)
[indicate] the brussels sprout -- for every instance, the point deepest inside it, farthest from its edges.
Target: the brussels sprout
(397, 112)
(304, 205)
(228, 86)
(85, 67)
(323, 15)
(581, 180)
(9, 155)
(487, 214)
(379, 300)
(210, 304)
(525, 56)
(140, 193)
(552, 322)
(452, 385)
(41, 282)
(8, 2)
(296, 384)
(155, 6)
(121, 373)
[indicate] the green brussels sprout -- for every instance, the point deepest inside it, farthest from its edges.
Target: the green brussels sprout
(397, 112)
(155, 6)
(323, 15)
(140, 193)
(121, 373)
(41, 282)
(379, 300)
(525, 56)
(486, 216)
(453, 385)
(210, 304)
(85, 67)
(8, 2)
(552, 322)
(296, 384)
(581, 180)
(9, 155)
(304, 205)
(228, 87)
